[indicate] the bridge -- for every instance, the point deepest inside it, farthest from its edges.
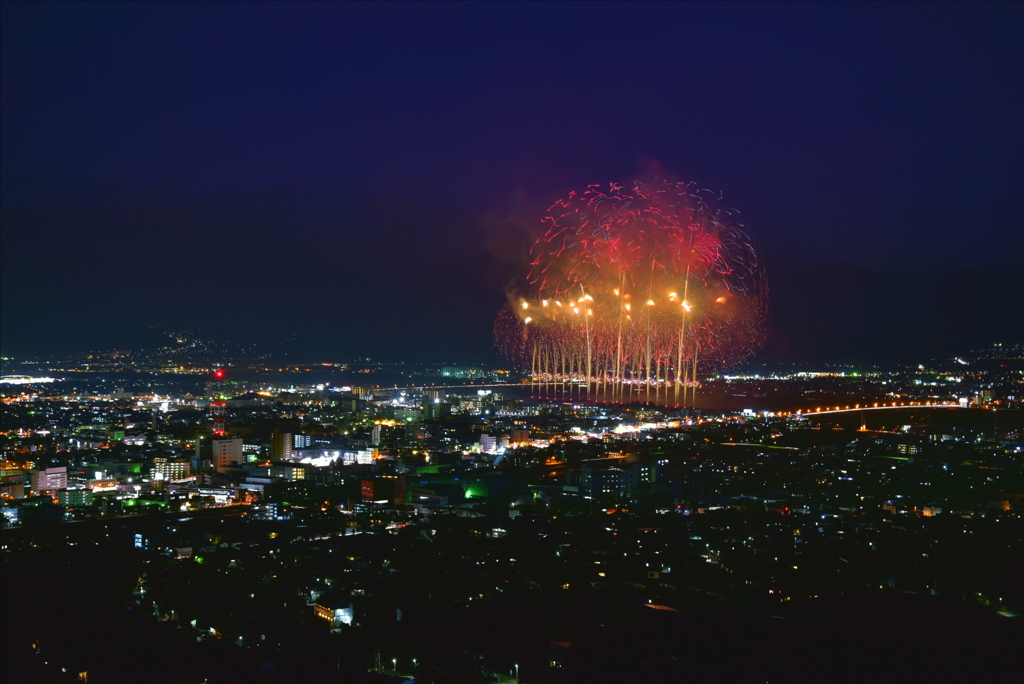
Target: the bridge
(876, 406)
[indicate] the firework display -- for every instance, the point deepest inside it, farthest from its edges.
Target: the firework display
(631, 291)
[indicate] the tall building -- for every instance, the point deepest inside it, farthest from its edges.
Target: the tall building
(50, 479)
(228, 452)
(640, 477)
(281, 446)
(408, 414)
(602, 481)
(433, 410)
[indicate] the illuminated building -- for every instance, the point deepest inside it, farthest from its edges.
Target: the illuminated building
(387, 489)
(602, 482)
(175, 470)
(432, 410)
(488, 444)
(408, 414)
(13, 481)
(281, 446)
(639, 476)
(75, 497)
(460, 372)
(10, 512)
(216, 495)
(50, 479)
(290, 471)
(336, 612)
(227, 452)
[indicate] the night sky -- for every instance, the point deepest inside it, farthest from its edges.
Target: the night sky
(368, 175)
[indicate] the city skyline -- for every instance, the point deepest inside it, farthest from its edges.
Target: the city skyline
(271, 525)
(511, 343)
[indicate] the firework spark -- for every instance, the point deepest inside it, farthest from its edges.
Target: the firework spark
(630, 291)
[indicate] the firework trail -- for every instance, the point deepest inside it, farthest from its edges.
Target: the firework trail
(631, 290)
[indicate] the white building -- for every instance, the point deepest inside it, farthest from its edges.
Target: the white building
(227, 452)
(50, 479)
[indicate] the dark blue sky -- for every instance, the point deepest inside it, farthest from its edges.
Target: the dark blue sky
(251, 169)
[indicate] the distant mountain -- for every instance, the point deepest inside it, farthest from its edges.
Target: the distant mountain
(839, 312)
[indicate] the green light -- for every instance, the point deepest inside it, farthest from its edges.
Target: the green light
(476, 491)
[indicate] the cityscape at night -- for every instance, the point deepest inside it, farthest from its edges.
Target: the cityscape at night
(443, 343)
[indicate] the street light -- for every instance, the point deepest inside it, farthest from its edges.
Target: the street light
(517, 673)
(394, 664)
